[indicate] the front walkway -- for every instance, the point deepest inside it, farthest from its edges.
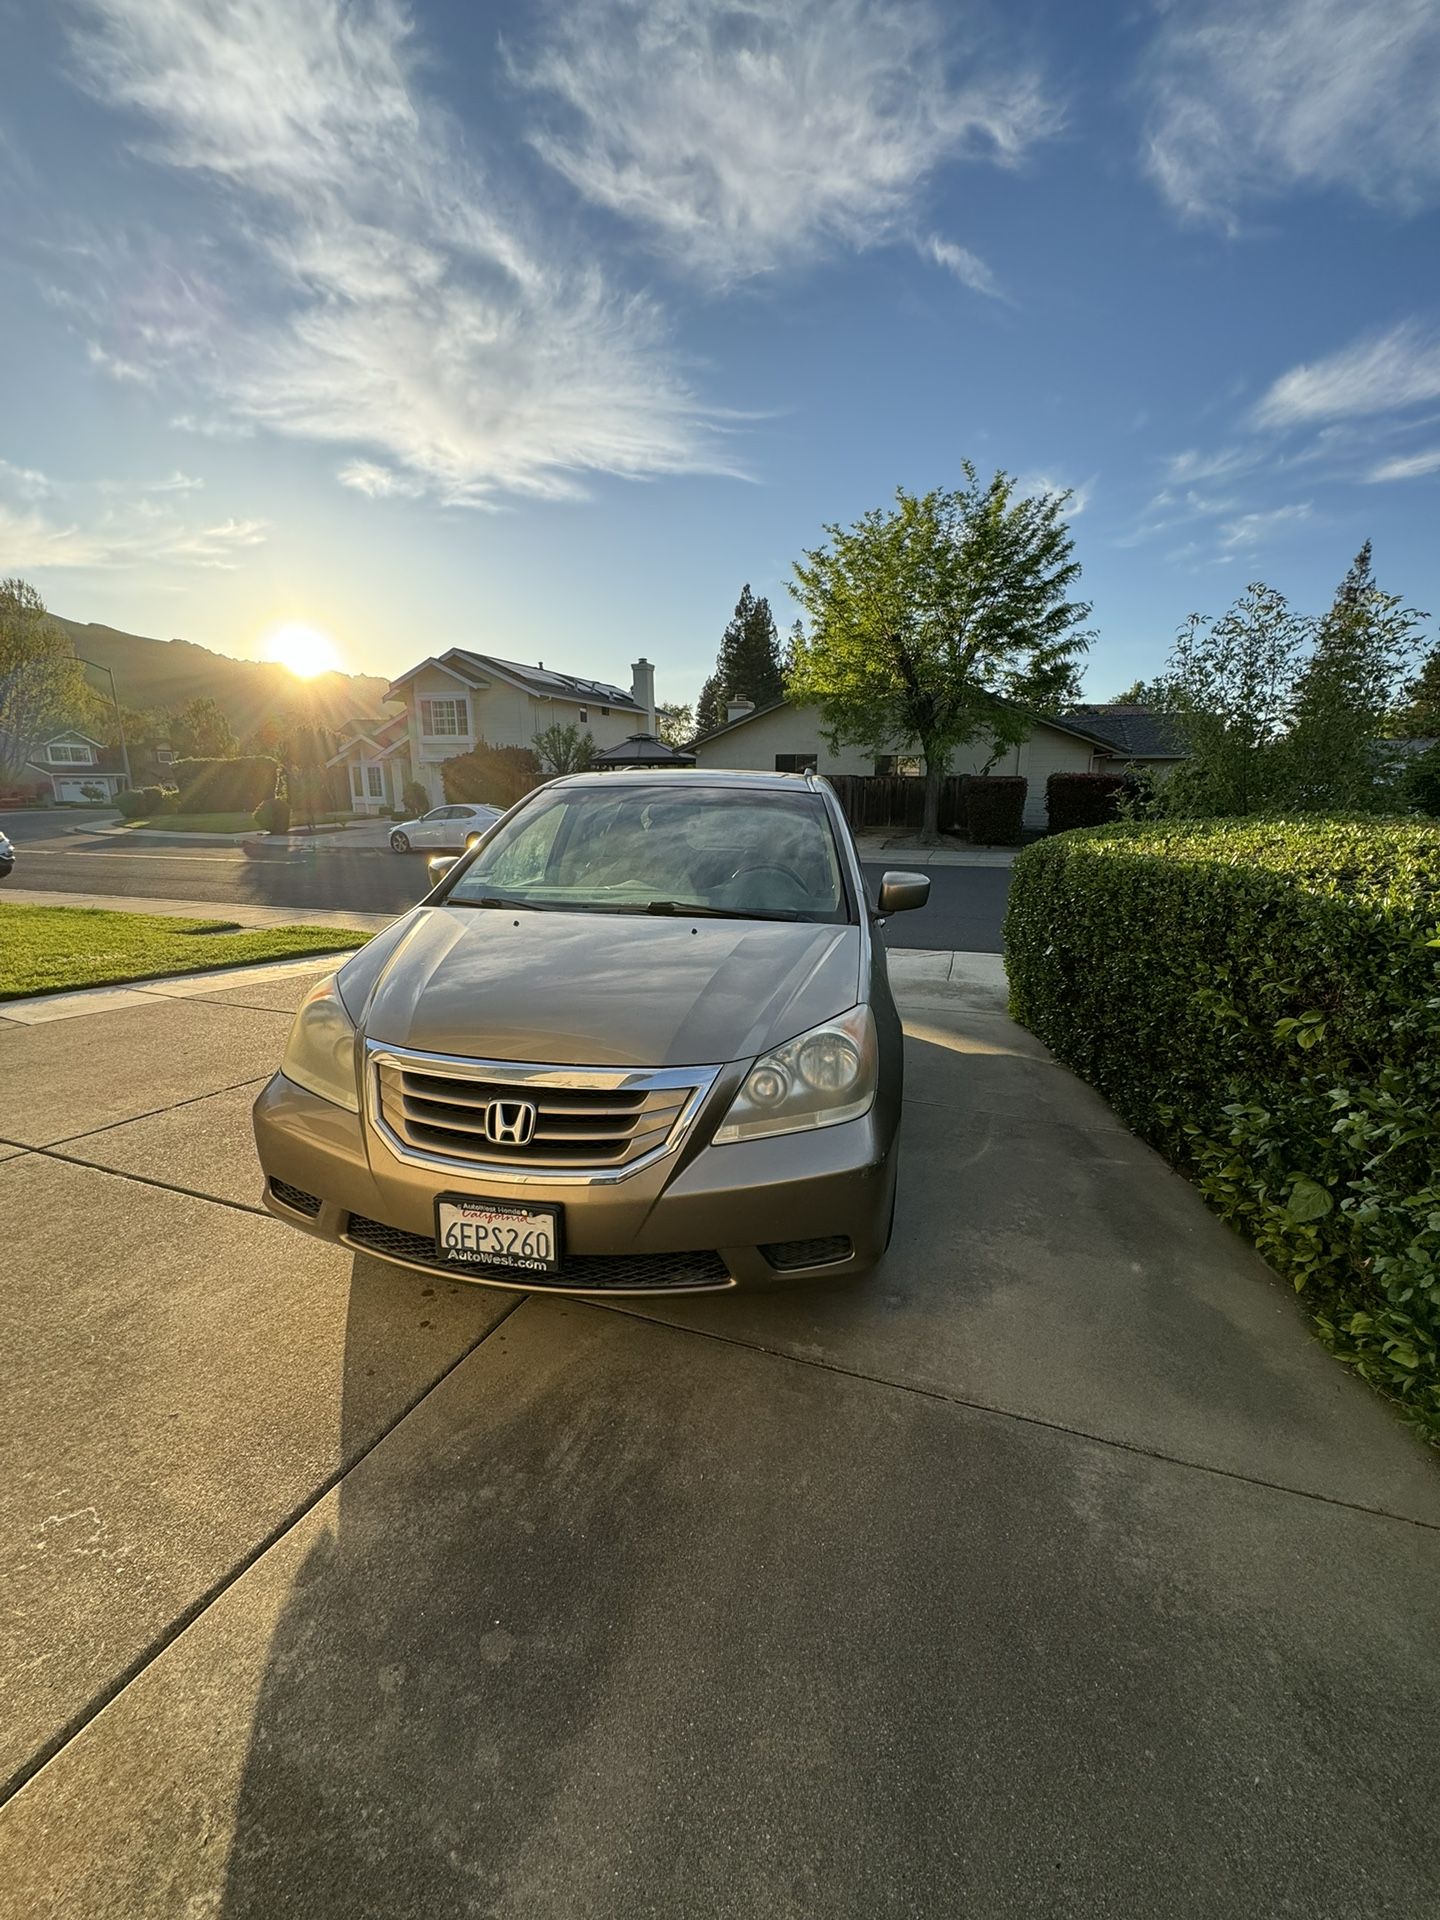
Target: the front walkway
(1054, 1572)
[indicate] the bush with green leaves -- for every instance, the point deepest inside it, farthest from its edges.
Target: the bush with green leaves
(226, 786)
(1082, 799)
(416, 799)
(995, 809)
(132, 802)
(154, 798)
(273, 816)
(1260, 1000)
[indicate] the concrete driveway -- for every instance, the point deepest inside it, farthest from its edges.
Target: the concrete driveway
(1054, 1572)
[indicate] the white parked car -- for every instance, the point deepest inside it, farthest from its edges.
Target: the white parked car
(445, 829)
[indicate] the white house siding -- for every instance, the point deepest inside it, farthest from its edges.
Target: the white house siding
(502, 715)
(798, 730)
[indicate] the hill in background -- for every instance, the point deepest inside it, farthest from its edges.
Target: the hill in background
(170, 673)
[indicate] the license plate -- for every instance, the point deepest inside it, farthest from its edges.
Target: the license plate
(497, 1233)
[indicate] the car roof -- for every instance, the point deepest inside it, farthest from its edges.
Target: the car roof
(690, 777)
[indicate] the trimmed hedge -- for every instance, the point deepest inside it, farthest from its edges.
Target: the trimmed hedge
(1261, 1001)
(226, 786)
(132, 802)
(995, 809)
(273, 815)
(493, 776)
(1082, 799)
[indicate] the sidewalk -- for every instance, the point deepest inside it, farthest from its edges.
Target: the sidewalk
(228, 910)
(876, 848)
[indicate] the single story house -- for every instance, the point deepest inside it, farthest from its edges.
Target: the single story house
(786, 738)
(1138, 735)
(72, 762)
(457, 698)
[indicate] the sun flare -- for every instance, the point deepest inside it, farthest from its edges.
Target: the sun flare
(304, 650)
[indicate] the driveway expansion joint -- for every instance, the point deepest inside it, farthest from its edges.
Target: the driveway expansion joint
(105, 1696)
(1026, 1419)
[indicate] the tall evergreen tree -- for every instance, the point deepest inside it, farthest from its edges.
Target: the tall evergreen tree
(748, 666)
(1344, 693)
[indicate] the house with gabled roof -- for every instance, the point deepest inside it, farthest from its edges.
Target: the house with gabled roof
(78, 766)
(458, 698)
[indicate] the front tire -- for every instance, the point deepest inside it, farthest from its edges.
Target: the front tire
(399, 843)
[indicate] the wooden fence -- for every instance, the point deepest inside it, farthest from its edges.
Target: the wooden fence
(895, 801)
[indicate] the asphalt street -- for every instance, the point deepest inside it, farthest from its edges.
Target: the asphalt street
(967, 904)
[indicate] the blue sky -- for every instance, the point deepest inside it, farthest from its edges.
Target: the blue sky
(541, 329)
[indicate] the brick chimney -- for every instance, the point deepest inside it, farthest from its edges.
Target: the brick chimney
(737, 709)
(642, 690)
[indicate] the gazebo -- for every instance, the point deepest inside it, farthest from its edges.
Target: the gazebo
(642, 750)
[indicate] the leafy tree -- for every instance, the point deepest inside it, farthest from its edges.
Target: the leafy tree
(674, 724)
(928, 620)
(498, 776)
(1419, 716)
(1049, 688)
(200, 731)
(42, 684)
(1139, 693)
(1228, 686)
(564, 750)
(749, 665)
(303, 753)
(1343, 695)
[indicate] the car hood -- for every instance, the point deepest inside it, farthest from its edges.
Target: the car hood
(584, 989)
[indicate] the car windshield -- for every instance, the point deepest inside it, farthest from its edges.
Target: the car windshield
(744, 853)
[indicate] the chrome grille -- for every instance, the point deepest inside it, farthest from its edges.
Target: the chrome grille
(587, 1122)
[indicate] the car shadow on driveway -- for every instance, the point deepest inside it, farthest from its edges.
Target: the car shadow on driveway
(772, 1604)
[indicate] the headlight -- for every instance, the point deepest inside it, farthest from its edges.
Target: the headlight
(816, 1080)
(320, 1053)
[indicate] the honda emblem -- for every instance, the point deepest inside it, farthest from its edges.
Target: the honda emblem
(510, 1123)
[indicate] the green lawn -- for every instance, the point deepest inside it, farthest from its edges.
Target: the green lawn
(198, 823)
(47, 949)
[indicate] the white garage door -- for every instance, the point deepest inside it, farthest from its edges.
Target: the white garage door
(71, 789)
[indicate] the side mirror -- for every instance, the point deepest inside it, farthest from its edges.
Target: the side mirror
(900, 892)
(439, 864)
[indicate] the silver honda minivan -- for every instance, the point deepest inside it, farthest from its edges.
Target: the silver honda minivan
(640, 1039)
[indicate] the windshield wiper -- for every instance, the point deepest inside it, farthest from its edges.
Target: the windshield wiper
(687, 908)
(489, 900)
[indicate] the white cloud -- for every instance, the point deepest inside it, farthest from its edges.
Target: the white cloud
(111, 523)
(1222, 464)
(1382, 373)
(965, 265)
(33, 542)
(381, 483)
(1410, 466)
(379, 301)
(1248, 101)
(1250, 529)
(751, 134)
(1080, 492)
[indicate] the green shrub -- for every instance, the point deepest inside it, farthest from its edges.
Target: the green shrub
(1082, 799)
(1261, 1001)
(1421, 783)
(416, 801)
(154, 798)
(132, 802)
(226, 786)
(273, 815)
(995, 809)
(497, 776)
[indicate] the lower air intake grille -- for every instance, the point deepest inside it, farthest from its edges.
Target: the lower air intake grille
(807, 1253)
(622, 1272)
(295, 1198)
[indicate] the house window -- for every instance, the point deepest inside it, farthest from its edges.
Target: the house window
(604, 711)
(71, 755)
(584, 715)
(796, 762)
(164, 756)
(375, 782)
(444, 719)
(907, 764)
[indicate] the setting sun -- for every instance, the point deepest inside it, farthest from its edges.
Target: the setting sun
(304, 650)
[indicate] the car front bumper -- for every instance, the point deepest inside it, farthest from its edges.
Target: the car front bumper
(797, 1195)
